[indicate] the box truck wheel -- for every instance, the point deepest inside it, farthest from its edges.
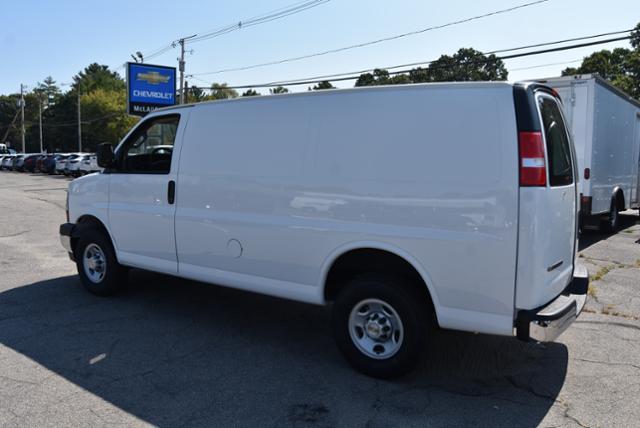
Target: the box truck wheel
(613, 221)
(380, 325)
(97, 265)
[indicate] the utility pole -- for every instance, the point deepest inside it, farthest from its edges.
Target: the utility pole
(181, 65)
(181, 68)
(79, 122)
(22, 116)
(40, 120)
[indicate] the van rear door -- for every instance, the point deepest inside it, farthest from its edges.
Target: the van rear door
(548, 210)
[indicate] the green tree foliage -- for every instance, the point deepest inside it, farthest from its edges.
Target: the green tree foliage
(220, 91)
(48, 91)
(8, 111)
(621, 66)
(107, 120)
(103, 97)
(195, 95)
(382, 77)
(465, 65)
(97, 76)
(278, 90)
(250, 93)
(325, 84)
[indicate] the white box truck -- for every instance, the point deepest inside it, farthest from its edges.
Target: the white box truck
(605, 123)
(452, 204)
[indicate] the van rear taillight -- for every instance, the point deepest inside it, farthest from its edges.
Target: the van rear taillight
(533, 170)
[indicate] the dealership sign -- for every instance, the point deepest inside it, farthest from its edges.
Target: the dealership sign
(149, 87)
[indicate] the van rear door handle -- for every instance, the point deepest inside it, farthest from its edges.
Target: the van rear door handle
(171, 192)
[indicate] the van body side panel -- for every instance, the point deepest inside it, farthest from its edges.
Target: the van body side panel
(270, 187)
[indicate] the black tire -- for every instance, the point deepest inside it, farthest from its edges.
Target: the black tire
(612, 223)
(114, 275)
(409, 307)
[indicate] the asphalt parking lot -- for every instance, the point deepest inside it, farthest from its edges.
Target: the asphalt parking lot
(171, 352)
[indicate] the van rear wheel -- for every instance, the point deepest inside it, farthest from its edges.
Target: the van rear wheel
(380, 325)
(98, 268)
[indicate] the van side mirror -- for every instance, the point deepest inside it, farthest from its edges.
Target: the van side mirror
(105, 155)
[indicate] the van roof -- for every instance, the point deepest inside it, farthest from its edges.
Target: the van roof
(380, 88)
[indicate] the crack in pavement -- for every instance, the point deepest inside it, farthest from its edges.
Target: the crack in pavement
(608, 363)
(12, 235)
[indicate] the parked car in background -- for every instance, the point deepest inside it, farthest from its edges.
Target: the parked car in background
(61, 162)
(49, 164)
(405, 206)
(29, 164)
(39, 162)
(7, 162)
(89, 165)
(72, 165)
(18, 163)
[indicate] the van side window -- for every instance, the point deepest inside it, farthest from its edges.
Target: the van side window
(558, 149)
(148, 150)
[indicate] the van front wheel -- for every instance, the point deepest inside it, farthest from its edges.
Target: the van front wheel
(97, 265)
(380, 325)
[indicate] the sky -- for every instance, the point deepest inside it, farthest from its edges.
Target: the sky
(42, 38)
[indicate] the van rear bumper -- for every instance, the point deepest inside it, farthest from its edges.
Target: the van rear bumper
(547, 322)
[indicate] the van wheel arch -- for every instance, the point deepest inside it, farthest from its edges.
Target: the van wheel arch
(367, 261)
(89, 221)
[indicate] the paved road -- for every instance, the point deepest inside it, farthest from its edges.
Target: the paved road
(171, 352)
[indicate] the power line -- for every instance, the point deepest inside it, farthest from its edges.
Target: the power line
(356, 75)
(412, 64)
(272, 15)
(260, 19)
(531, 67)
(372, 42)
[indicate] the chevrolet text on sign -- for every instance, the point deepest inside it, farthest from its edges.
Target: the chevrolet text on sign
(149, 87)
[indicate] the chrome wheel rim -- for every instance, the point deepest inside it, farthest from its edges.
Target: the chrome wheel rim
(94, 263)
(376, 329)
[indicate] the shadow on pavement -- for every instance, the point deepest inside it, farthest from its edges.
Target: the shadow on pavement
(174, 352)
(590, 237)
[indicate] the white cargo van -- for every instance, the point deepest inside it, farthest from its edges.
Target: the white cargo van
(406, 206)
(605, 123)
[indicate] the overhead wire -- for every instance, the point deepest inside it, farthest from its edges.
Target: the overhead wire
(356, 75)
(376, 41)
(272, 15)
(260, 19)
(423, 63)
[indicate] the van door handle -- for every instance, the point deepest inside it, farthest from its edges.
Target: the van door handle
(171, 192)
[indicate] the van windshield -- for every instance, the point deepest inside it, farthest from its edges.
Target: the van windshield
(558, 149)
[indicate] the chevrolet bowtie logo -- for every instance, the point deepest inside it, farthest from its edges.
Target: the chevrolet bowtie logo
(153, 77)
